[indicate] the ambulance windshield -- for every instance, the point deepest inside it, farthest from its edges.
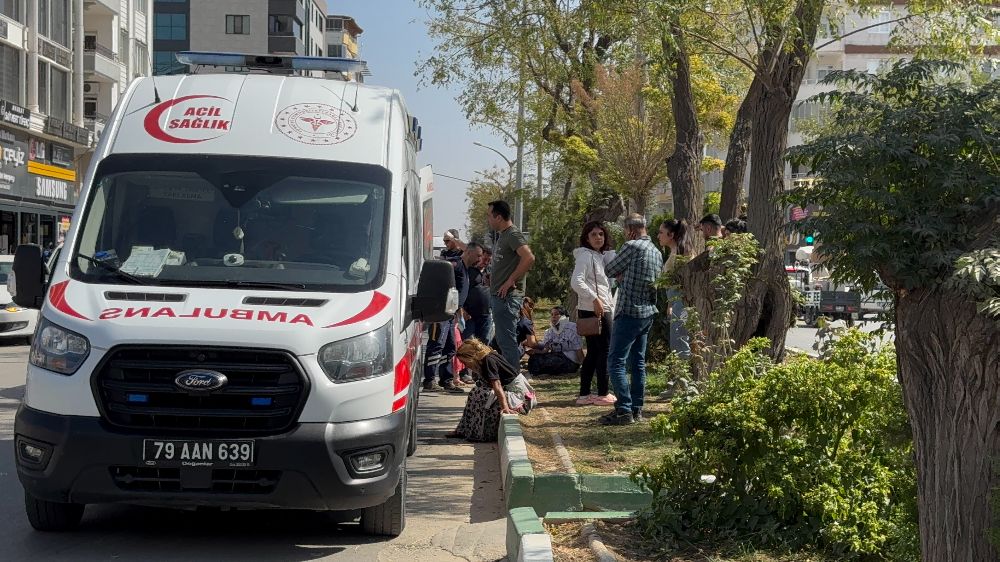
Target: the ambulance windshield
(216, 221)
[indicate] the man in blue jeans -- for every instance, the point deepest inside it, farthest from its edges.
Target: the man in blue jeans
(512, 258)
(637, 265)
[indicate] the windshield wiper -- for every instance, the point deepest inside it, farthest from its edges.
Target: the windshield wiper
(118, 272)
(236, 283)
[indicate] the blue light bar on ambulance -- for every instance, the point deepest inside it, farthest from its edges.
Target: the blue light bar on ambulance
(286, 62)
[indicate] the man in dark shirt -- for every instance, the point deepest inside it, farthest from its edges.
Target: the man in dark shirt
(441, 339)
(476, 312)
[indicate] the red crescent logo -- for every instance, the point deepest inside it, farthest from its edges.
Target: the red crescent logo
(152, 121)
(377, 304)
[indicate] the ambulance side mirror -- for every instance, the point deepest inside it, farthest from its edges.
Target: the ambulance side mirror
(436, 299)
(27, 282)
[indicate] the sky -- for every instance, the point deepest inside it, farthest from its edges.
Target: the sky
(394, 38)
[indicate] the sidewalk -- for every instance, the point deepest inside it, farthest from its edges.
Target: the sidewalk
(454, 505)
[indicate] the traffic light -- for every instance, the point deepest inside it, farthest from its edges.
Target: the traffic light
(810, 238)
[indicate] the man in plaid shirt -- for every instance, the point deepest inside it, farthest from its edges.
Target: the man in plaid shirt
(637, 265)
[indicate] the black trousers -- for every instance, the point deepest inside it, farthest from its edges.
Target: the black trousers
(596, 361)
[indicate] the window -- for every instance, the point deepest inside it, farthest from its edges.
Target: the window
(123, 47)
(10, 74)
(883, 18)
(336, 24)
(43, 87)
(285, 26)
(165, 62)
(823, 72)
(139, 62)
(319, 223)
(238, 25)
(11, 9)
(171, 26)
(59, 96)
(140, 6)
(90, 108)
(335, 51)
(60, 22)
(43, 17)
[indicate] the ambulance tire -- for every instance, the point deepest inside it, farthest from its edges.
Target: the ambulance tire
(389, 518)
(411, 441)
(52, 516)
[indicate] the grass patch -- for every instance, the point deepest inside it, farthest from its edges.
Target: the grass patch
(628, 546)
(592, 447)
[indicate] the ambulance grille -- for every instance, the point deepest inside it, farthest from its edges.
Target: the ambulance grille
(265, 390)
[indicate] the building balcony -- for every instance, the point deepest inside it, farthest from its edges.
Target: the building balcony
(101, 63)
(95, 122)
(102, 7)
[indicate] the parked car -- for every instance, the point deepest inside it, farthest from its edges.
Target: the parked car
(15, 321)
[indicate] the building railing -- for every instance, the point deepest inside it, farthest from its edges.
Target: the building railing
(95, 47)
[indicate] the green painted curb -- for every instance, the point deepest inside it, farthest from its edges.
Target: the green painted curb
(521, 521)
(556, 492)
(520, 485)
(613, 493)
(568, 516)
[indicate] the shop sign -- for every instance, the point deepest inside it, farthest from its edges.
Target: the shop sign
(61, 155)
(15, 114)
(24, 178)
(68, 131)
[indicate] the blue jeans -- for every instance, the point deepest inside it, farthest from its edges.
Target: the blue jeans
(680, 340)
(506, 313)
(628, 340)
(479, 327)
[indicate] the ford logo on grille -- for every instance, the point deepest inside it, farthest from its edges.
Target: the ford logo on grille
(200, 380)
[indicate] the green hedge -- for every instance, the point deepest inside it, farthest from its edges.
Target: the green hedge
(808, 454)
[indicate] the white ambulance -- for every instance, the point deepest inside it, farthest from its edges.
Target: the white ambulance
(235, 317)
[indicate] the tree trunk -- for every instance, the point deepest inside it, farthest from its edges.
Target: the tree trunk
(949, 368)
(684, 165)
(767, 304)
(737, 157)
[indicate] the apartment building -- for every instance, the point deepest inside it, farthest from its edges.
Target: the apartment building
(286, 27)
(342, 34)
(63, 63)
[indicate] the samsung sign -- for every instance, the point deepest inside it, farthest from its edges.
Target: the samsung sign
(48, 188)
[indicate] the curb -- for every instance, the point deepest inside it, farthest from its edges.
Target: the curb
(527, 540)
(559, 496)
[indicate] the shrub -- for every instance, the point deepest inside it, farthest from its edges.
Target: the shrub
(812, 453)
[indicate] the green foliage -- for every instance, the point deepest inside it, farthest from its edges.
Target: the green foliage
(730, 267)
(978, 275)
(555, 233)
(713, 202)
(909, 176)
(812, 453)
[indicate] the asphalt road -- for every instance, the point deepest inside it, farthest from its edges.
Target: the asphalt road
(803, 338)
(454, 508)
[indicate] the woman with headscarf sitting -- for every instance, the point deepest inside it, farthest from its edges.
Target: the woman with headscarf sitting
(499, 389)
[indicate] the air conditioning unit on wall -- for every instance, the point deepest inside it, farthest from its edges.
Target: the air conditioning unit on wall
(91, 87)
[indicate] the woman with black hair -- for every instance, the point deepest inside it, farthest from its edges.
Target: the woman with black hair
(675, 235)
(593, 289)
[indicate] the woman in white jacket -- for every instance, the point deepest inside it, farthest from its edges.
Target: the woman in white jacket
(593, 289)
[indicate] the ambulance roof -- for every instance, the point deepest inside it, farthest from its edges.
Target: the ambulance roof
(256, 114)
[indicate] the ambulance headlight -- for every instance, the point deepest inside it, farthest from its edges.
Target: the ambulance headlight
(58, 349)
(361, 357)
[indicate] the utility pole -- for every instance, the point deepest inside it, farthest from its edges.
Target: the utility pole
(519, 173)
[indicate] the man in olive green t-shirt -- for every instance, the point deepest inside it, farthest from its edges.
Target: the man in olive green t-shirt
(512, 258)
